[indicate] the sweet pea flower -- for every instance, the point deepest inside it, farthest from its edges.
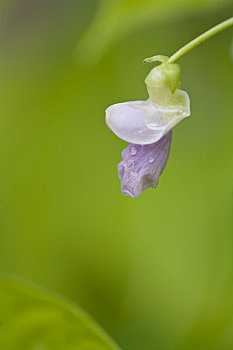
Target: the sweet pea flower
(147, 125)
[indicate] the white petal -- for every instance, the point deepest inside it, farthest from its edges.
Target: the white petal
(145, 122)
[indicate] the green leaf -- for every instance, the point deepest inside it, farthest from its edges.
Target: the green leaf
(116, 18)
(31, 318)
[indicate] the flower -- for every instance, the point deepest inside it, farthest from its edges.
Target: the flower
(147, 126)
(142, 165)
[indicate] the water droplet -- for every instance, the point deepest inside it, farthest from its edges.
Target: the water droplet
(150, 159)
(133, 150)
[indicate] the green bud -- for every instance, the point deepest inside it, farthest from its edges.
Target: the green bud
(162, 81)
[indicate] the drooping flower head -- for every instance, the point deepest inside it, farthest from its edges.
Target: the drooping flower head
(147, 126)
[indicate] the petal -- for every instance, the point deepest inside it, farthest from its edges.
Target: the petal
(142, 165)
(145, 122)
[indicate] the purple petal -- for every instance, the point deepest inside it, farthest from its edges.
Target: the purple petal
(142, 165)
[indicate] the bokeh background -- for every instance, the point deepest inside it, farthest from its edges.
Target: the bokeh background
(155, 272)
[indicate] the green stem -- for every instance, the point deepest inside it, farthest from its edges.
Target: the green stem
(208, 34)
(218, 28)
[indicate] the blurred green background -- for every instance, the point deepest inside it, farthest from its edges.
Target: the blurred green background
(155, 272)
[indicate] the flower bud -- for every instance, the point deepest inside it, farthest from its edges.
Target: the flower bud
(162, 82)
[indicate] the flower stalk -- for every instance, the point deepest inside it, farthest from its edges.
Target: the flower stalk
(195, 42)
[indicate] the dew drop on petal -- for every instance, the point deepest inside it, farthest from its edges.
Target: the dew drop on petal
(133, 150)
(150, 159)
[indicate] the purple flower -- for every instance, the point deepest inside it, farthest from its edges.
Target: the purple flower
(147, 125)
(142, 165)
